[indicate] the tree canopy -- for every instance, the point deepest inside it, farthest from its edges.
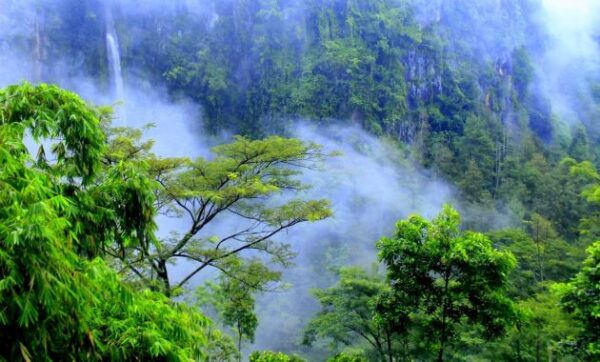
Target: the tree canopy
(442, 278)
(58, 301)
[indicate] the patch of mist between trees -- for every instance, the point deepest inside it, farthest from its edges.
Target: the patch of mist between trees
(162, 8)
(15, 68)
(371, 185)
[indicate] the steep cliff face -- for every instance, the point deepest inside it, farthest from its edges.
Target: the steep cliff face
(423, 75)
(465, 63)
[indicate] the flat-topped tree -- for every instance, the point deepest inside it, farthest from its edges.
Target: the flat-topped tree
(246, 180)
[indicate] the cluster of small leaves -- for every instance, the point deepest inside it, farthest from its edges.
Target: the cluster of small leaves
(587, 170)
(49, 112)
(232, 296)
(349, 356)
(591, 193)
(220, 346)
(269, 356)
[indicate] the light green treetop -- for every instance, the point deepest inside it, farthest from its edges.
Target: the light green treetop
(244, 181)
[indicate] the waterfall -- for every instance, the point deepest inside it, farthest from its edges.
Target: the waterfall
(37, 49)
(114, 56)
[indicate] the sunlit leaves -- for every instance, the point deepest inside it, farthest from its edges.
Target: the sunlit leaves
(250, 181)
(54, 304)
(270, 356)
(51, 113)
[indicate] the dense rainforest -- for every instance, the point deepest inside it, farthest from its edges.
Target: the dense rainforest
(300, 180)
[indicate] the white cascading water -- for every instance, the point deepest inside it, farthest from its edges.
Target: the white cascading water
(114, 56)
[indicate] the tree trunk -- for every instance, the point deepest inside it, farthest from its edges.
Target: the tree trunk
(389, 346)
(540, 261)
(380, 349)
(537, 348)
(163, 275)
(519, 357)
(443, 336)
(239, 341)
(440, 357)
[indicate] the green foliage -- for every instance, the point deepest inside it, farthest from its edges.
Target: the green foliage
(269, 356)
(539, 259)
(232, 296)
(253, 65)
(55, 303)
(587, 170)
(591, 193)
(580, 145)
(541, 334)
(49, 112)
(477, 149)
(246, 180)
(446, 291)
(114, 201)
(351, 68)
(522, 71)
(349, 356)
(460, 97)
(442, 278)
(464, 105)
(581, 298)
(109, 197)
(543, 330)
(348, 314)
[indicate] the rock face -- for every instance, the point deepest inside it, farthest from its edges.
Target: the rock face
(423, 76)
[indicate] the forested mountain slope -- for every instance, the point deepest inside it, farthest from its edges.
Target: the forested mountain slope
(456, 81)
